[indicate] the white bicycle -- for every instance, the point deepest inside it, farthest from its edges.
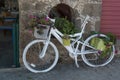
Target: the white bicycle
(45, 54)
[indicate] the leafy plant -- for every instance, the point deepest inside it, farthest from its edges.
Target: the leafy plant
(65, 26)
(35, 20)
(112, 37)
(103, 44)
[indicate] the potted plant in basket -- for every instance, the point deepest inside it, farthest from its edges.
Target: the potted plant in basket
(103, 44)
(38, 22)
(65, 27)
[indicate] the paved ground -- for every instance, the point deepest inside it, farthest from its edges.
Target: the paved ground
(66, 72)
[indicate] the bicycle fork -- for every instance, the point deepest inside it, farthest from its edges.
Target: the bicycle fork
(42, 53)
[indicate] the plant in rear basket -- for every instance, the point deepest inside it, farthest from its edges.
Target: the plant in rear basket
(104, 45)
(65, 27)
(35, 20)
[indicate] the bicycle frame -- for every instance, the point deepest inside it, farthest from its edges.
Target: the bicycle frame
(75, 51)
(76, 47)
(58, 35)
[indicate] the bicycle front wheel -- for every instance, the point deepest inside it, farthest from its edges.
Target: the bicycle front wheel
(96, 59)
(32, 59)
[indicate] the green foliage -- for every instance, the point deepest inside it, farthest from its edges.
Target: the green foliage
(103, 44)
(112, 37)
(65, 26)
(98, 43)
(34, 20)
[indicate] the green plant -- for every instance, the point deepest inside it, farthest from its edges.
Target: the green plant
(35, 20)
(103, 44)
(112, 37)
(65, 26)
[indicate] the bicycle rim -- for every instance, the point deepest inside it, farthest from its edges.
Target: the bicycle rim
(96, 59)
(34, 63)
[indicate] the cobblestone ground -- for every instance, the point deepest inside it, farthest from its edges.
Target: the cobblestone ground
(66, 72)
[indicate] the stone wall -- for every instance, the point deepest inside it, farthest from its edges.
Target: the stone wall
(80, 7)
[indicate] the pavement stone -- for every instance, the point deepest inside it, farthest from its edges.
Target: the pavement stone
(66, 72)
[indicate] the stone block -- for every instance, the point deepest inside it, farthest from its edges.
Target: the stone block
(97, 26)
(92, 9)
(27, 6)
(40, 6)
(96, 0)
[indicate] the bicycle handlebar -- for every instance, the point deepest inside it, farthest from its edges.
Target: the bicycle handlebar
(76, 34)
(83, 26)
(52, 20)
(87, 17)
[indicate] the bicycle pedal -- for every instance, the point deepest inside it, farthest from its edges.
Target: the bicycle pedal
(33, 65)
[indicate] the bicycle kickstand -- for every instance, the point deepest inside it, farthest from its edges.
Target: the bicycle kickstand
(76, 61)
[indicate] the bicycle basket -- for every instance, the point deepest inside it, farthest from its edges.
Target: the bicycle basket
(41, 31)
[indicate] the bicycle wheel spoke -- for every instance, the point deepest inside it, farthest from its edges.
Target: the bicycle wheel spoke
(40, 64)
(96, 58)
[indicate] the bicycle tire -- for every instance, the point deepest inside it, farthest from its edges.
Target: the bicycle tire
(33, 62)
(95, 59)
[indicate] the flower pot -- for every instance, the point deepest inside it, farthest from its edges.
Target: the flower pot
(104, 47)
(41, 33)
(66, 42)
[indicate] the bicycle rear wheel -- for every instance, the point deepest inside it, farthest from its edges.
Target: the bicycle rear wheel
(96, 59)
(32, 59)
